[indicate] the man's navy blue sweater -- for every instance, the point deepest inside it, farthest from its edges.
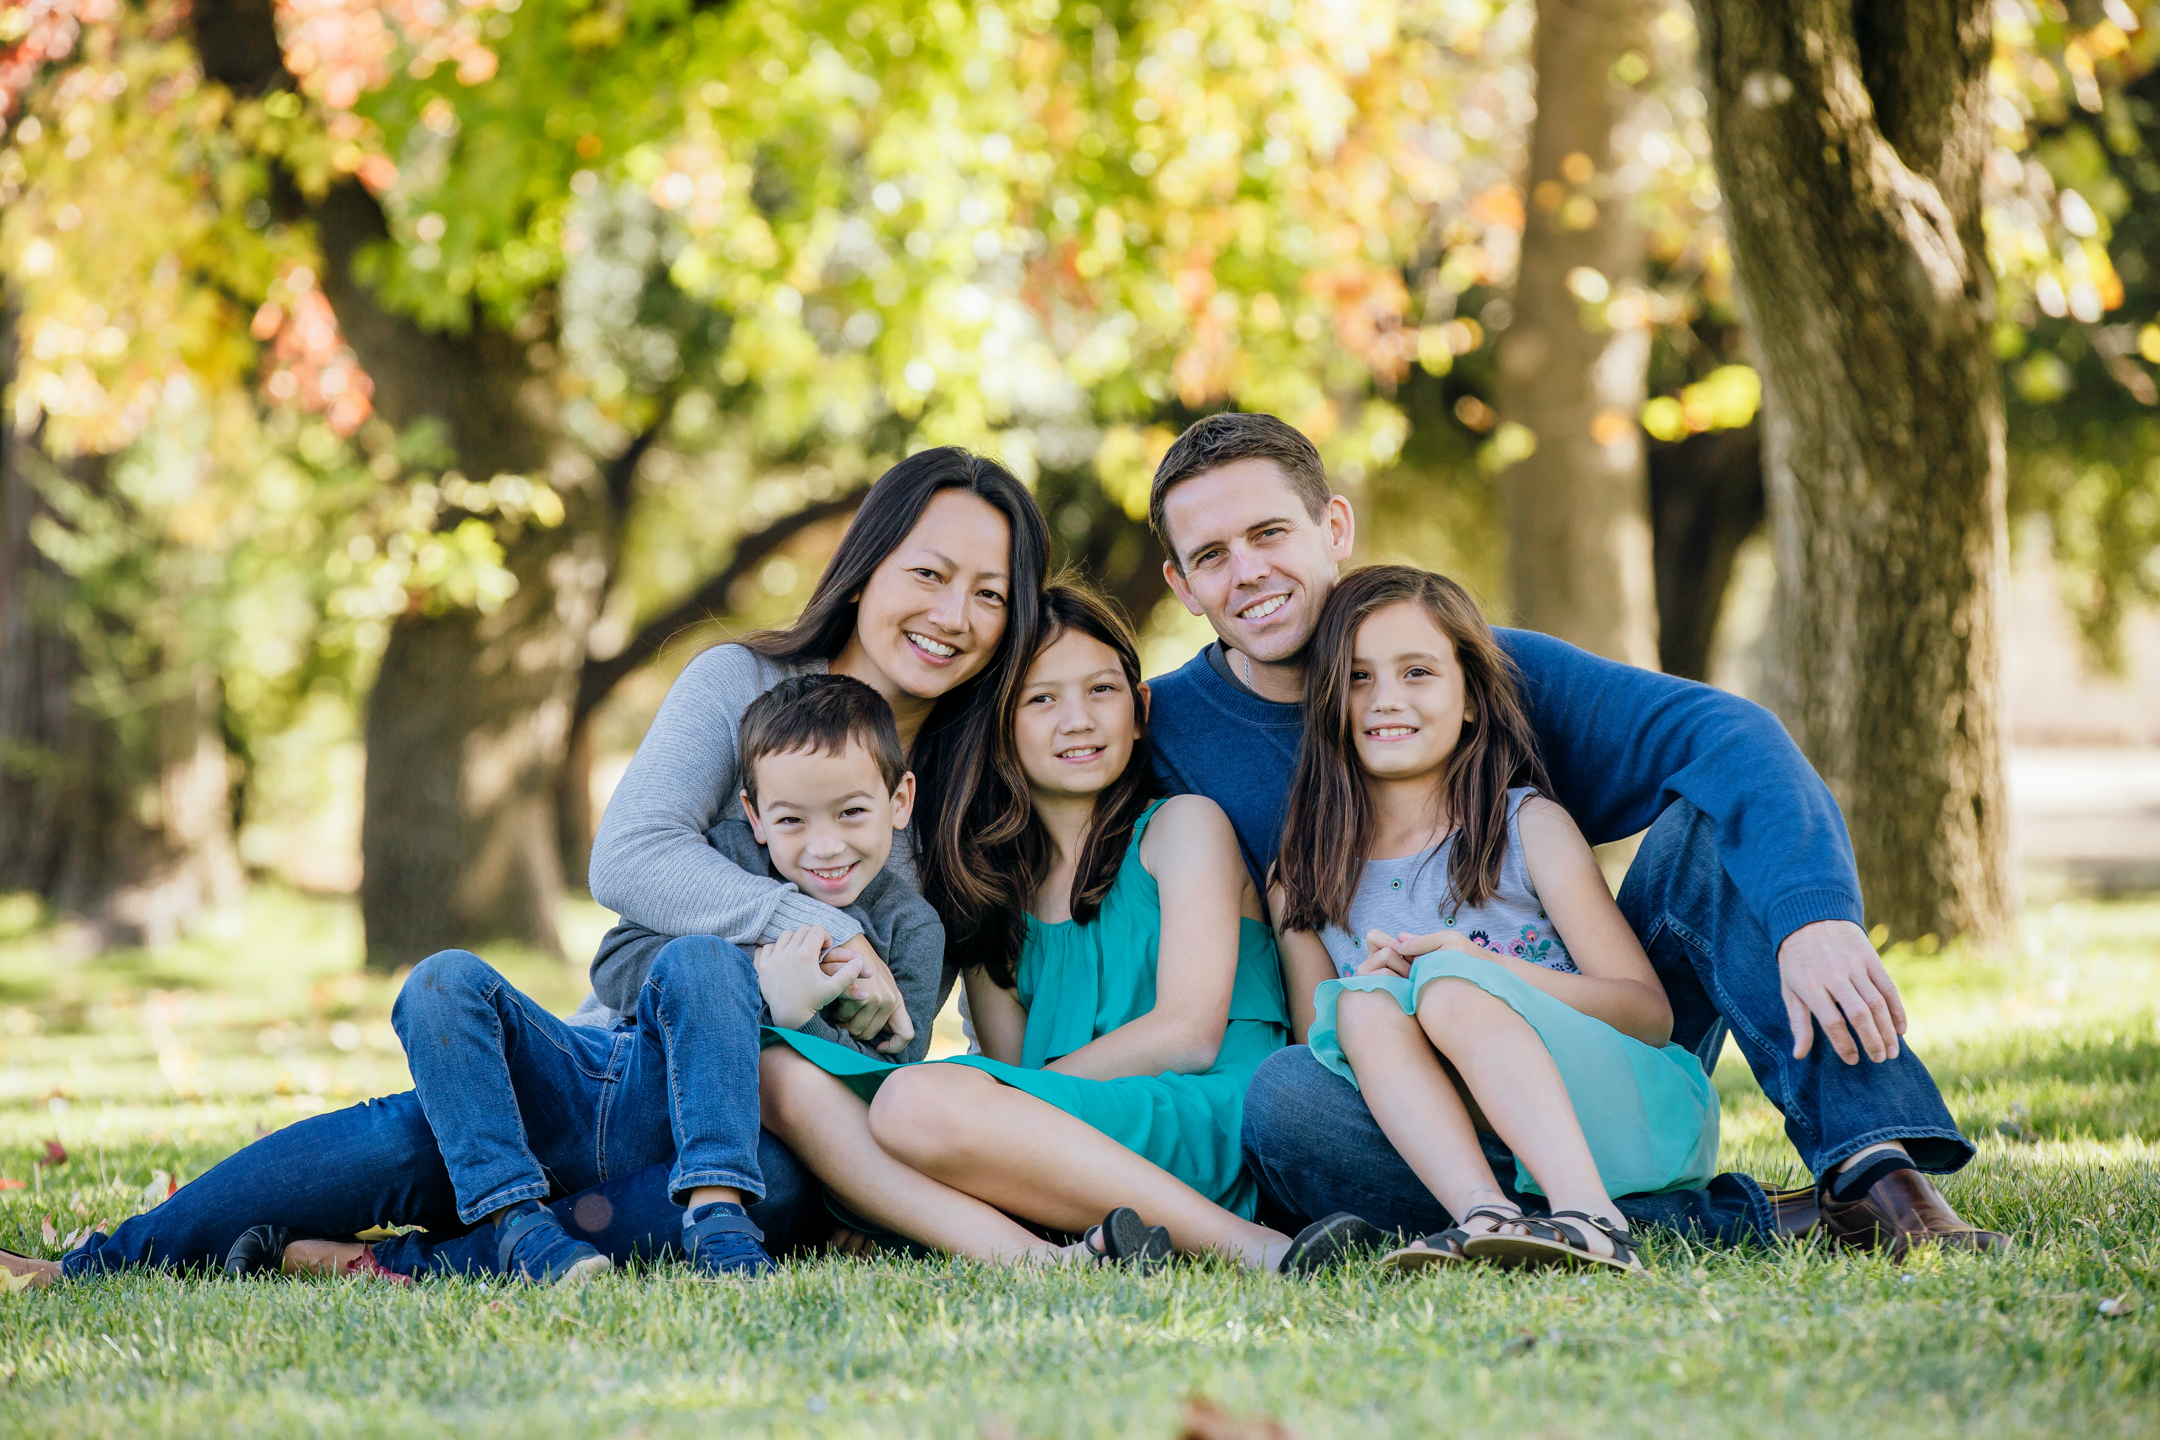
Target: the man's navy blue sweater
(1620, 744)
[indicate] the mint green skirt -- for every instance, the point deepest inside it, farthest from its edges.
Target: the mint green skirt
(1649, 1112)
(1186, 1124)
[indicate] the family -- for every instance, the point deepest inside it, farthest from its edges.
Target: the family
(1298, 951)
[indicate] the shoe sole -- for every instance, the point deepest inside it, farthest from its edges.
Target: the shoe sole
(1412, 1258)
(591, 1267)
(1322, 1245)
(1527, 1252)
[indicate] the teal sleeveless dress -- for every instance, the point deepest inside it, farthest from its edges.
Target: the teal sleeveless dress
(1081, 981)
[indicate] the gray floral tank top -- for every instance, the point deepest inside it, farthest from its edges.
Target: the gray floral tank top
(1408, 894)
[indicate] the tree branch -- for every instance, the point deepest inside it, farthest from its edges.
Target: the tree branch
(600, 677)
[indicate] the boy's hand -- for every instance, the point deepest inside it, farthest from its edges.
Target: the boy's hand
(795, 984)
(877, 995)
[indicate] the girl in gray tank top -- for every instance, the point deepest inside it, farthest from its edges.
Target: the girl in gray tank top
(1411, 896)
(1421, 893)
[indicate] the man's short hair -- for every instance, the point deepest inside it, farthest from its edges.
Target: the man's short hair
(1225, 439)
(819, 713)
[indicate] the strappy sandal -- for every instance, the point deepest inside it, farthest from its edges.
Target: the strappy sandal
(1446, 1248)
(1552, 1243)
(1128, 1240)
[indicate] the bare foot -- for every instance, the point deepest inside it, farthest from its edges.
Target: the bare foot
(321, 1257)
(39, 1273)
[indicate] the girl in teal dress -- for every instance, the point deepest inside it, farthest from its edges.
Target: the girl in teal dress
(1453, 951)
(1123, 986)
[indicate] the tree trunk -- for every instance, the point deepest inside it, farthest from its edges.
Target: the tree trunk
(468, 723)
(1578, 523)
(469, 719)
(1706, 497)
(1850, 142)
(123, 822)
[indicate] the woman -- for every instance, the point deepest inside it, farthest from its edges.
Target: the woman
(930, 599)
(1123, 982)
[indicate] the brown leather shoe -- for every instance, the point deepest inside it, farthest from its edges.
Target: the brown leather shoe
(1794, 1212)
(1899, 1211)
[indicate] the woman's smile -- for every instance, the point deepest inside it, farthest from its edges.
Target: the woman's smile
(934, 652)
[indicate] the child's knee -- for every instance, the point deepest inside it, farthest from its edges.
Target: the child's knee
(445, 980)
(704, 962)
(1364, 1016)
(915, 1115)
(1451, 1005)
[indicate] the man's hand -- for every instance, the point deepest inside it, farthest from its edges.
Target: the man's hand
(1830, 973)
(795, 985)
(876, 996)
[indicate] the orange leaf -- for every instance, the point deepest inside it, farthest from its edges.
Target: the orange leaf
(7, 1184)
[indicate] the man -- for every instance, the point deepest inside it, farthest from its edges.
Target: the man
(1744, 891)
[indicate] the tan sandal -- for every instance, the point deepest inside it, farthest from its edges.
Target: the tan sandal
(1552, 1243)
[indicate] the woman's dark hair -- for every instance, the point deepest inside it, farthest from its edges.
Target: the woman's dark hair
(987, 921)
(952, 756)
(1328, 828)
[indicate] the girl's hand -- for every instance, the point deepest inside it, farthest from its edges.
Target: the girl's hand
(1416, 945)
(1385, 961)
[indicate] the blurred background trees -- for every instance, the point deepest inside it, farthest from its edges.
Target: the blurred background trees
(423, 377)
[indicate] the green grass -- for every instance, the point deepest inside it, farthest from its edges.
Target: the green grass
(140, 1064)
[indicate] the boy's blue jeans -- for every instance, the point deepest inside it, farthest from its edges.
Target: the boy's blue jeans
(525, 1106)
(329, 1177)
(379, 1164)
(1315, 1148)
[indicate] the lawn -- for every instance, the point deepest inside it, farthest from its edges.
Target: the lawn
(146, 1068)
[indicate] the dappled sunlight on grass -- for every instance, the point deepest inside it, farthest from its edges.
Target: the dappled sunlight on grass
(148, 1068)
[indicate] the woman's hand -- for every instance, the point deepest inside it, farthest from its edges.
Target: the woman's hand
(794, 982)
(874, 1000)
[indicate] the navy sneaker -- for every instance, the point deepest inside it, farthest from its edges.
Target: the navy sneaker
(531, 1245)
(720, 1240)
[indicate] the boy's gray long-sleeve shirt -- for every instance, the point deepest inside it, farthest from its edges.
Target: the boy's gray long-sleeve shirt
(674, 856)
(899, 923)
(657, 861)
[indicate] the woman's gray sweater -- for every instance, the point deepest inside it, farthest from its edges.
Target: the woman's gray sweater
(656, 860)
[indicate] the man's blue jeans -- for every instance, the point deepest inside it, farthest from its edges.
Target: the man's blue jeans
(1315, 1148)
(526, 1106)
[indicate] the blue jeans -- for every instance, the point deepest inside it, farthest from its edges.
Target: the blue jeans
(525, 1106)
(1315, 1148)
(331, 1176)
(1720, 972)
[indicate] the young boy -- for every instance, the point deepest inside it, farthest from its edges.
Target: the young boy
(520, 1100)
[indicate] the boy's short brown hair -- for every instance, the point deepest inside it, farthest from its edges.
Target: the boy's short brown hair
(1225, 439)
(820, 713)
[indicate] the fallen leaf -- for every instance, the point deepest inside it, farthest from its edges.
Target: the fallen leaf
(13, 1284)
(2123, 1304)
(1205, 1421)
(7, 1184)
(52, 1236)
(55, 1153)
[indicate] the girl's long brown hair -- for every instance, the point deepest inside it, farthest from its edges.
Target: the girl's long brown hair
(1008, 850)
(1328, 830)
